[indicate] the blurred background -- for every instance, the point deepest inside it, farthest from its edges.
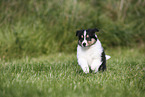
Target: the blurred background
(36, 27)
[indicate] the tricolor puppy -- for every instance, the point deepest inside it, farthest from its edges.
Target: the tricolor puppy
(90, 52)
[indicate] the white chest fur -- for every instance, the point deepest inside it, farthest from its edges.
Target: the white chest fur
(88, 55)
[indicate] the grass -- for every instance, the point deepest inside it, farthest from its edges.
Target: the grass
(40, 28)
(58, 75)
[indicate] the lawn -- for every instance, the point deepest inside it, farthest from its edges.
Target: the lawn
(34, 32)
(58, 75)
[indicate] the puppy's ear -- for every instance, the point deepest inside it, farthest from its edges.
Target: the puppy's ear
(95, 30)
(77, 33)
(92, 31)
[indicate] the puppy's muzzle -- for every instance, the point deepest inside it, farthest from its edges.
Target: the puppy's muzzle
(84, 44)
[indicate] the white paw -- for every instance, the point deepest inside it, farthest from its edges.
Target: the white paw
(86, 69)
(95, 65)
(94, 68)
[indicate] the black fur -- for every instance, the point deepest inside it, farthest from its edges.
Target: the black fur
(92, 31)
(103, 65)
(79, 32)
(91, 35)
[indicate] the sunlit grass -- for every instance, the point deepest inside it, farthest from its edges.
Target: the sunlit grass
(38, 48)
(59, 75)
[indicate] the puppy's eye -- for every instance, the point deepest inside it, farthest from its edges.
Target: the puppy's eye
(87, 36)
(82, 36)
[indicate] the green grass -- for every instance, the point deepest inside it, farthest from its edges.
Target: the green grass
(58, 75)
(46, 29)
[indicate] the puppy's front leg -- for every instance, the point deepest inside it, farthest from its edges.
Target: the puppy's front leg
(84, 65)
(95, 65)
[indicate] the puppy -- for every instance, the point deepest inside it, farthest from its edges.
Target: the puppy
(90, 52)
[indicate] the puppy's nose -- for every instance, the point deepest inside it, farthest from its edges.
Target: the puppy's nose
(84, 44)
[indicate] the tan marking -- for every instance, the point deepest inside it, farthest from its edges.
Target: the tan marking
(87, 36)
(81, 36)
(91, 42)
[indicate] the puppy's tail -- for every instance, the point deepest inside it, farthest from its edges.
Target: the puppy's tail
(108, 57)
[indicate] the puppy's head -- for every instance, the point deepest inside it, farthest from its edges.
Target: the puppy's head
(87, 37)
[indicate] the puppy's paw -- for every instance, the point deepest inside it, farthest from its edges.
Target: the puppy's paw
(94, 68)
(86, 69)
